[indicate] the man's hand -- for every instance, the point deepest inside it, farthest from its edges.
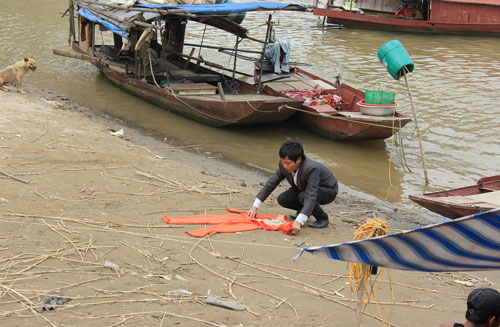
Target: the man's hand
(295, 228)
(252, 213)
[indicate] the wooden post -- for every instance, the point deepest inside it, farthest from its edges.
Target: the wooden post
(268, 32)
(188, 60)
(361, 291)
(416, 126)
(221, 91)
(71, 11)
(235, 57)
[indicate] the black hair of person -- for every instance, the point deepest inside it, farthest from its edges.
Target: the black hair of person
(293, 150)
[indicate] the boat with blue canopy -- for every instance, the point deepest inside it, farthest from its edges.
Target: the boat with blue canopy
(144, 48)
(140, 48)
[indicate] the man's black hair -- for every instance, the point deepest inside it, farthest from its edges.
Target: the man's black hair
(482, 304)
(293, 150)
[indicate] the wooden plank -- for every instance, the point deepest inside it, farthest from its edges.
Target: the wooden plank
(475, 2)
(323, 109)
(489, 14)
(241, 97)
(190, 75)
(463, 13)
(379, 5)
(324, 85)
(117, 68)
(279, 86)
(193, 88)
(299, 85)
(473, 16)
(489, 200)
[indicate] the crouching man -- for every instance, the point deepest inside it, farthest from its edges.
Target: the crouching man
(311, 185)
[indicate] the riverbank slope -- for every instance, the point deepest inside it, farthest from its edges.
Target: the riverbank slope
(81, 219)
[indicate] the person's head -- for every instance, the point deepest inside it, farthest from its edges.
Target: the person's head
(483, 307)
(291, 155)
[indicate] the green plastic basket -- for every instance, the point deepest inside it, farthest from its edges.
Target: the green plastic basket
(379, 97)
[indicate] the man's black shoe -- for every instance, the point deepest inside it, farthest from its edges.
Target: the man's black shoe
(319, 224)
(292, 216)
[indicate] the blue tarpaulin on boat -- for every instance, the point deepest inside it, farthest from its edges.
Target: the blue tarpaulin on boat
(225, 8)
(112, 27)
(465, 244)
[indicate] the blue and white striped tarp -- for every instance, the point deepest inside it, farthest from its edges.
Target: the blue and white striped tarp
(465, 244)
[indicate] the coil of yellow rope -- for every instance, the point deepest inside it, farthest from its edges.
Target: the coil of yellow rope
(359, 274)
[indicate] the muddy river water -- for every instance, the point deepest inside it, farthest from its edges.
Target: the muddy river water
(455, 88)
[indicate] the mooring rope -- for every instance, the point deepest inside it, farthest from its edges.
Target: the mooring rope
(280, 108)
(204, 113)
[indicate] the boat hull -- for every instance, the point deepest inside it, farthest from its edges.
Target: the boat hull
(212, 109)
(462, 201)
(208, 110)
(345, 128)
(345, 124)
(348, 18)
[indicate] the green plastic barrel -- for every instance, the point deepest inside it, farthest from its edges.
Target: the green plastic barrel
(394, 56)
(379, 97)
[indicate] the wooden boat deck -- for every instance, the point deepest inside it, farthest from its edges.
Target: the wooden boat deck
(483, 200)
(296, 82)
(125, 63)
(237, 98)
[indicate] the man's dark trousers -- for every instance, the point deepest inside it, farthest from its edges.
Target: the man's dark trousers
(293, 199)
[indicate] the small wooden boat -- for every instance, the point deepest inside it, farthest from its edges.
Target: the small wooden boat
(154, 67)
(455, 16)
(342, 120)
(464, 201)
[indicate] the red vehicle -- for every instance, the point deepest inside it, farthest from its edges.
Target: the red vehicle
(464, 201)
(475, 16)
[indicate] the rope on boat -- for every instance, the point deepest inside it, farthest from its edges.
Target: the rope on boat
(393, 136)
(151, 66)
(203, 113)
(402, 152)
(340, 118)
(280, 108)
(400, 139)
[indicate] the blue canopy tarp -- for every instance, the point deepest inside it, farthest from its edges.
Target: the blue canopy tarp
(465, 244)
(92, 17)
(226, 8)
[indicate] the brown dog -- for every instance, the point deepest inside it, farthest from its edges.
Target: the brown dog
(16, 72)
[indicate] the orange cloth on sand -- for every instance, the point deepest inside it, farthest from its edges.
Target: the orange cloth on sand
(230, 223)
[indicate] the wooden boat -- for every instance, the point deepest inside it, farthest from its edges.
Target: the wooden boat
(155, 68)
(456, 16)
(335, 121)
(464, 201)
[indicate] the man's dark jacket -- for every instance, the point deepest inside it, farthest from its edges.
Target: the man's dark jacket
(311, 177)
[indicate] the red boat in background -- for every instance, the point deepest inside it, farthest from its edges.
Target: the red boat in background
(464, 201)
(459, 16)
(335, 113)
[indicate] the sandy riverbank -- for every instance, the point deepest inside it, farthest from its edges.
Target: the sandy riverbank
(85, 197)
